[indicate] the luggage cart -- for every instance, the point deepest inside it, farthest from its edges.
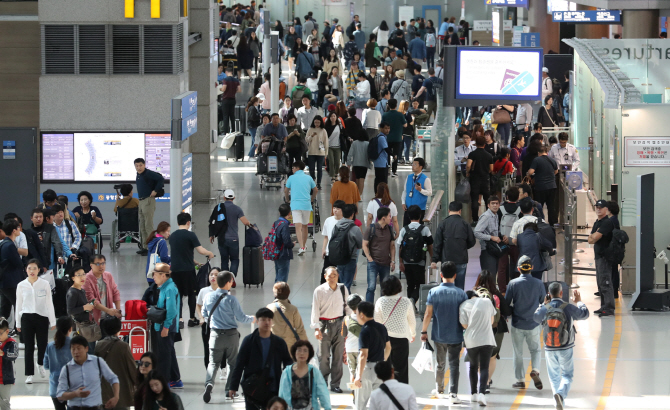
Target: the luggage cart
(314, 225)
(273, 178)
(137, 332)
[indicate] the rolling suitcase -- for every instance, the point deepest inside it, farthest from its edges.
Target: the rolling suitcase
(424, 289)
(238, 148)
(258, 81)
(253, 272)
(241, 115)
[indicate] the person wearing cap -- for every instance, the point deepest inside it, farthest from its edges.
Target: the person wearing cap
(547, 85)
(560, 365)
(525, 294)
(600, 238)
(229, 242)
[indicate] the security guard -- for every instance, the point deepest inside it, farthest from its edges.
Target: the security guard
(565, 153)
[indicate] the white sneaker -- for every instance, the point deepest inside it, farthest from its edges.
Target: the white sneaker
(436, 393)
(301, 251)
(453, 399)
(22, 346)
(29, 380)
(43, 372)
(482, 400)
(224, 374)
(475, 398)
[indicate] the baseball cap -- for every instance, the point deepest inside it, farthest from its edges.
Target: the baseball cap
(229, 194)
(260, 96)
(601, 203)
(524, 264)
(545, 70)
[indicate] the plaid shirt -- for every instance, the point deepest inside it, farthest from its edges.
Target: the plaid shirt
(65, 236)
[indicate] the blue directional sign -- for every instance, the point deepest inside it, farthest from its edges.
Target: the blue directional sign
(187, 181)
(184, 115)
(587, 16)
(507, 3)
(530, 39)
(189, 126)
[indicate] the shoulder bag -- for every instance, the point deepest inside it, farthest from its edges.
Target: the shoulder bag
(395, 401)
(290, 326)
(392, 310)
(154, 258)
(548, 115)
(216, 305)
(257, 386)
(501, 116)
(89, 329)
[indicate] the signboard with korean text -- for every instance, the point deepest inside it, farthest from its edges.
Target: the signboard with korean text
(187, 182)
(530, 39)
(647, 152)
(507, 3)
(587, 16)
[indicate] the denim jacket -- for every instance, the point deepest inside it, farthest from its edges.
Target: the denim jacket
(319, 388)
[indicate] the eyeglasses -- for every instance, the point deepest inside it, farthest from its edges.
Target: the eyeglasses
(79, 276)
(144, 363)
(100, 263)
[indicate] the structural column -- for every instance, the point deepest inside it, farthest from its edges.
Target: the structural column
(442, 146)
(541, 22)
(203, 63)
(592, 31)
(640, 24)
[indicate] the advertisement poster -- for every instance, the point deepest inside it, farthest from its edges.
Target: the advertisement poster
(107, 156)
(491, 73)
(496, 27)
(647, 152)
(405, 13)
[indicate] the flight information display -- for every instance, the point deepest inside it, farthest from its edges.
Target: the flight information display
(58, 157)
(106, 156)
(157, 153)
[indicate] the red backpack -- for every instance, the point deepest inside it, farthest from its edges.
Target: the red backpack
(270, 249)
(136, 310)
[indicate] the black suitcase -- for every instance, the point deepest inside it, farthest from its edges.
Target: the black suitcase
(241, 115)
(262, 164)
(424, 289)
(258, 81)
(237, 150)
(253, 272)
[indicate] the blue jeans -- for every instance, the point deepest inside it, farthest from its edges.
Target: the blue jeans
(532, 339)
(347, 272)
(461, 269)
(281, 270)
(252, 150)
(230, 251)
(375, 269)
(408, 144)
(316, 164)
(561, 369)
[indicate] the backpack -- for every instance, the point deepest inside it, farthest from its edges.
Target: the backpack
(381, 206)
(616, 250)
(507, 221)
(430, 40)
(413, 245)
(495, 179)
(484, 293)
(373, 148)
(296, 98)
(555, 327)
(270, 249)
(340, 249)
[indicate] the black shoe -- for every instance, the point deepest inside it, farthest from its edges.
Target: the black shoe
(181, 324)
(599, 311)
(207, 396)
(597, 293)
(143, 252)
(193, 323)
(606, 313)
(336, 390)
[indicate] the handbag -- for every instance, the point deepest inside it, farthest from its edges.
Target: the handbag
(257, 386)
(90, 330)
(501, 116)
(495, 249)
(156, 314)
(154, 258)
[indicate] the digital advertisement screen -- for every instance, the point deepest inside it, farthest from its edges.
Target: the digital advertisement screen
(106, 156)
(494, 74)
(58, 157)
(157, 153)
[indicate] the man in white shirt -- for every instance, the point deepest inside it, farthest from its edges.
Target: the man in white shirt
(462, 151)
(329, 308)
(547, 85)
(526, 207)
(363, 87)
(391, 391)
(565, 153)
(327, 231)
(305, 114)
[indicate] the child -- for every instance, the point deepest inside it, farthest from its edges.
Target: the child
(34, 316)
(284, 243)
(9, 351)
(351, 342)
(203, 323)
(57, 355)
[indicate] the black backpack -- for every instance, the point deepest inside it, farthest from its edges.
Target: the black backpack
(339, 246)
(616, 250)
(413, 245)
(373, 150)
(296, 98)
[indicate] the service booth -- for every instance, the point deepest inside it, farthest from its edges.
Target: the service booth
(619, 112)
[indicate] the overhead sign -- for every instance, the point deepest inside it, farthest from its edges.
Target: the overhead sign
(187, 181)
(507, 3)
(587, 16)
(184, 115)
(530, 39)
(647, 152)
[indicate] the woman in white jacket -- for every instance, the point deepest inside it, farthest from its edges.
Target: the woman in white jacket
(371, 119)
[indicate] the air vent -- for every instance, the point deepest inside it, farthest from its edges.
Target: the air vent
(178, 47)
(126, 49)
(58, 51)
(92, 55)
(158, 50)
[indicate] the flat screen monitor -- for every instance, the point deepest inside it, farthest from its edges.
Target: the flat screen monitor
(493, 73)
(58, 157)
(157, 153)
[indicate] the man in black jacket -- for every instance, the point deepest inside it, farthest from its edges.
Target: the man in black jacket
(149, 184)
(48, 237)
(452, 240)
(258, 350)
(12, 267)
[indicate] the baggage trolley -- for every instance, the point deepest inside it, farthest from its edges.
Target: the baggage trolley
(314, 225)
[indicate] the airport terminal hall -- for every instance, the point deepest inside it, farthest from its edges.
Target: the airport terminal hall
(334, 204)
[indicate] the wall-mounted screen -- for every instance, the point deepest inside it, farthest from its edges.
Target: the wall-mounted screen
(491, 73)
(102, 156)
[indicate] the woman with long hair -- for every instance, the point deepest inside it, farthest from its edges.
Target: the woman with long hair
(253, 121)
(57, 355)
(396, 312)
(295, 142)
(371, 119)
(382, 33)
(532, 152)
(297, 24)
(547, 115)
(331, 62)
(388, 78)
(280, 29)
(487, 280)
(324, 88)
(255, 47)
(148, 362)
(205, 331)
(344, 189)
(245, 57)
(338, 41)
(314, 35)
(302, 385)
(317, 143)
(431, 44)
(408, 129)
(157, 244)
(383, 199)
(334, 130)
(289, 42)
(491, 147)
(286, 110)
(159, 396)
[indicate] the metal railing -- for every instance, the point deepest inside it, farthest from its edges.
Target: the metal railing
(570, 237)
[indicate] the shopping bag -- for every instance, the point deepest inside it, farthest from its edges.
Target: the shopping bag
(228, 140)
(462, 192)
(424, 359)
